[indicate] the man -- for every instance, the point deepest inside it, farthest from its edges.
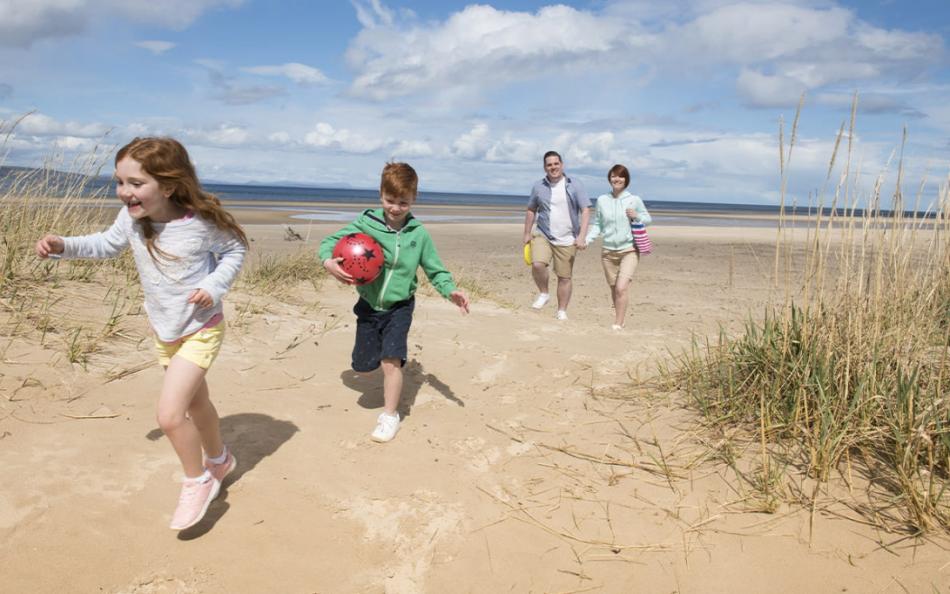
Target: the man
(561, 208)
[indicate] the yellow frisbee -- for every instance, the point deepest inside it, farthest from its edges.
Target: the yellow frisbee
(527, 254)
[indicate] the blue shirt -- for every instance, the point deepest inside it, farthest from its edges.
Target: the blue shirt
(540, 203)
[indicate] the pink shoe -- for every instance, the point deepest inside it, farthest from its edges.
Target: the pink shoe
(219, 471)
(193, 502)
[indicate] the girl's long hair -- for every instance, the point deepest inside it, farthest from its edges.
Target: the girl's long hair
(167, 161)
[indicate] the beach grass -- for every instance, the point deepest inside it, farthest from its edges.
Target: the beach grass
(33, 291)
(847, 371)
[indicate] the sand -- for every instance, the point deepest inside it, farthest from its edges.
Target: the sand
(525, 463)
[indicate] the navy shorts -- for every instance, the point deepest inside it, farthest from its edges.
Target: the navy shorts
(381, 334)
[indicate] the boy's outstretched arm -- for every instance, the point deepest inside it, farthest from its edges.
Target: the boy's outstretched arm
(50, 245)
(459, 298)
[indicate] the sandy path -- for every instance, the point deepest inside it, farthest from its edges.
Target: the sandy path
(524, 463)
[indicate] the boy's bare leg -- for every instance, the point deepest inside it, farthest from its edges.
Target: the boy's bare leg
(564, 287)
(539, 271)
(205, 417)
(392, 384)
(182, 380)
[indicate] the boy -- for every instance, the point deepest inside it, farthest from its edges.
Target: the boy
(384, 309)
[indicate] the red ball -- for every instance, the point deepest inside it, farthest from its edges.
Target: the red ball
(362, 257)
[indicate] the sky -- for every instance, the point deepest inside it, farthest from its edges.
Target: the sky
(690, 95)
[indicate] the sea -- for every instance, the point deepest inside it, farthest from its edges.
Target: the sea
(340, 204)
(350, 200)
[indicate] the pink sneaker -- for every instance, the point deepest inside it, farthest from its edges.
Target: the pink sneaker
(193, 502)
(219, 471)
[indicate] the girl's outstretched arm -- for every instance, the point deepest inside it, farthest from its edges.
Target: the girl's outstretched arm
(50, 245)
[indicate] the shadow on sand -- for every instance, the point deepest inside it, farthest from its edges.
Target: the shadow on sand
(370, 387)
(251, 437)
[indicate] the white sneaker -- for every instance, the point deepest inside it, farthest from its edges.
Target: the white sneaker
(541, 301)
(386, 427)
(561, 314)
(616, 327)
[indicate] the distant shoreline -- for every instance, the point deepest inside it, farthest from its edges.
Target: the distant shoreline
(265, 212)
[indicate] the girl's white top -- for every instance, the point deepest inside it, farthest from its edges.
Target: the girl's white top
(205, 258)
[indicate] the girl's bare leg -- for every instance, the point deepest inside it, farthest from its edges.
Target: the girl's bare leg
(182, 382)
(205, 417)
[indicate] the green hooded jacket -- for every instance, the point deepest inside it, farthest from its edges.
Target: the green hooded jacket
(404, 251)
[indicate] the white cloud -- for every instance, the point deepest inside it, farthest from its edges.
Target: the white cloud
(777, 49)
(593, 148)
(177, 14)
(155, 46)
(783, 50)
(747, 33)
(764, 90)
(232, 92)
(473, 144)
(23, 22)
(73, 143)
(326, 136)
(407, 149)
(478, 144)
(478, 47)
(374, 15)
(228, 135)
(299, 73)
(39, 124)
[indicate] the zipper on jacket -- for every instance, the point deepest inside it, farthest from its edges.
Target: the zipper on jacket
(392, 269)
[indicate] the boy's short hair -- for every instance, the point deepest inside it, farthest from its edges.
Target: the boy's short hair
(552, 154)
(399, 180)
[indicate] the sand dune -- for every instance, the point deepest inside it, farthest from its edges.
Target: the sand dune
(526, 462)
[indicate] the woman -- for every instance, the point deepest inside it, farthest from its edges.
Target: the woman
(615, 211)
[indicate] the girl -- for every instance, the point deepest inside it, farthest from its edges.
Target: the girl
(188, 251)
(615, 211)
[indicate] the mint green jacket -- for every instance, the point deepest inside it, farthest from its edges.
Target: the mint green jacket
(404, 251)
(610, 218)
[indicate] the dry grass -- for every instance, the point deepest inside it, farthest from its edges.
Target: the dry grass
(39, 295)
(849, 367)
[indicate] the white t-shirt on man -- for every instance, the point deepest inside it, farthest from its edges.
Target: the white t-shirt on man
(560, 223)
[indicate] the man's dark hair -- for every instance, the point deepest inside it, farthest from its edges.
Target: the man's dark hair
(552, 154)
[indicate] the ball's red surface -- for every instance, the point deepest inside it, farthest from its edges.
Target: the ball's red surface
(362, 257)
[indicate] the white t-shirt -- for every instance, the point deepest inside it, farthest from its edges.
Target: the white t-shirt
(560, 221)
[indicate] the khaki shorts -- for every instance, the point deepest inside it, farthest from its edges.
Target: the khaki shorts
(200, 348)
(619, 265)
(563, 255)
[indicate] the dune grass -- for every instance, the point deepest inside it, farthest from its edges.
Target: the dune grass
(848, 369)
(37, 294)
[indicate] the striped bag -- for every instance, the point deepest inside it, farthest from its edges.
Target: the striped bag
(640, 238)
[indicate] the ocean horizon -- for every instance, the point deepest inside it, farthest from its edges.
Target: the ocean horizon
(57, 183)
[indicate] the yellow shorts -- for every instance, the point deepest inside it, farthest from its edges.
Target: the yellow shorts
(200, 348)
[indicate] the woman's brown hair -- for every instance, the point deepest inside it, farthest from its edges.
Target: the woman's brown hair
(619, 171)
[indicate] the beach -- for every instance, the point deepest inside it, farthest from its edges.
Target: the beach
(536, 455)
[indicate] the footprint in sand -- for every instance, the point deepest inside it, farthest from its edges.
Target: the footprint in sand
(412, 528)
(490, 373)
(155, 584)
(480, 458)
